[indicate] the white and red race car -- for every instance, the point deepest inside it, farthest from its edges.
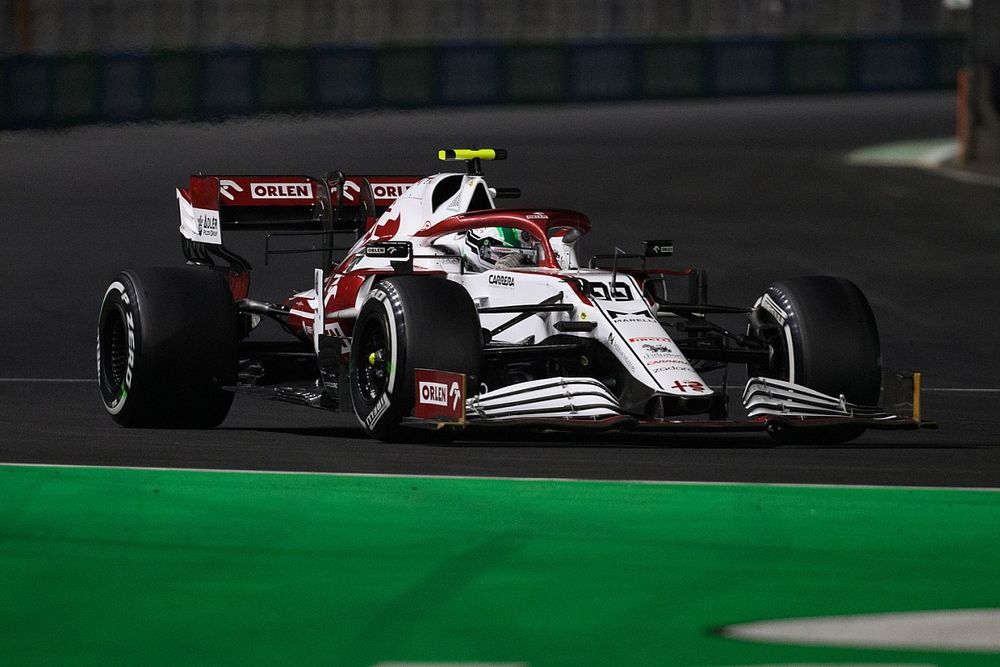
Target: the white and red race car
(447, 312)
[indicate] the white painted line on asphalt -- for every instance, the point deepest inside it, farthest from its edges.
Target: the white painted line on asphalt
(61, 380)
(962, 389)
(969, 176)
(966, 630)
(389, 475)
(929, 154)
(982, 390)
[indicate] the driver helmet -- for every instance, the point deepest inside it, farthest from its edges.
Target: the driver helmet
(499, 248)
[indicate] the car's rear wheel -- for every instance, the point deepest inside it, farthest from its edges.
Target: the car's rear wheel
(166, 345)
(822, 334)
(409, 322)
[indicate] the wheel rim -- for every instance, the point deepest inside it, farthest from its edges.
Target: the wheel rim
(774, 340)
(114, 349)
(373, 362)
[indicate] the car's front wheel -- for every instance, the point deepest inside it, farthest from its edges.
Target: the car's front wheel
(822, 334)
(409, 322)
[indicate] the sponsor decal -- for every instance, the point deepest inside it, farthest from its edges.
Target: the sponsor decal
(501, 280)
(665, 369)
(667, 359)
(433, 393)
(281, 190)
(350, 187)
(388, 249)
(660, 248)
(656, 349)
(130, 325)
(614, 344)
(686, 385)
(208, 225)
(637, 316)
(537, 215)
(225, 185)
(649, 339)
(439, 395)
(673, 359)
(389, 190)
(377, 412)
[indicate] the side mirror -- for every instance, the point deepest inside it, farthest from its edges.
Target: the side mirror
(572, 236)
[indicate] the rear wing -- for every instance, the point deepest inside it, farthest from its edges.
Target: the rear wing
(285, 205)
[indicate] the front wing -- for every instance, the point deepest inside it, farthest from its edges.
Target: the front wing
(583, 404)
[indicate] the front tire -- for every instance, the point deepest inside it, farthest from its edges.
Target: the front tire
(409, 322)
(166, 344)
(822, 334)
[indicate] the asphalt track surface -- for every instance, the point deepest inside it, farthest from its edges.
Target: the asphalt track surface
(752, 190)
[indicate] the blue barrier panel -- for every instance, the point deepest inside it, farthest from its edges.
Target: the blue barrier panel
(47, 91)
(343, 78)
(818, 66)
(469, 74)
(74, 89)
(174, 85)
(746, 68)
(228, 85)
(406, 76)
(599, 72)
(122, 87)
(285, 80)
(893, 64)
(27, 83)
(535, 73)
(678, 69)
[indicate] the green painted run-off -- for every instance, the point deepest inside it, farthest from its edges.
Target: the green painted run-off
(142, 566)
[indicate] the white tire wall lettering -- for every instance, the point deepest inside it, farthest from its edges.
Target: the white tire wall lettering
(118, 403)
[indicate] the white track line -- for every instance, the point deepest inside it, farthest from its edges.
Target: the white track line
(978, 390)
(385, 475)
(59, 380)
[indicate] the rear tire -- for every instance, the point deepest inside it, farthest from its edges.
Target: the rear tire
(409, 322)
(822, 334)
(166, 344)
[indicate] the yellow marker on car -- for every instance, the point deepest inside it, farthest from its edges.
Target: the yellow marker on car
(472, 154)
(371, 359)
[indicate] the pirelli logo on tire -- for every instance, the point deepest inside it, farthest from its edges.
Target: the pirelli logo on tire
(439, 395)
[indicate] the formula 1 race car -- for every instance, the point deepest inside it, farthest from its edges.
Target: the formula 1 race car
(446, 313)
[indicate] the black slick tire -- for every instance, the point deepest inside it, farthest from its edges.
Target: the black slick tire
(409, 322)
(166, 345)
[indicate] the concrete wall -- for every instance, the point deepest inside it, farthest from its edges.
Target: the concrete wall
(47, 27)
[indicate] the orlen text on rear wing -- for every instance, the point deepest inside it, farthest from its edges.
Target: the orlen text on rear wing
(285, 205)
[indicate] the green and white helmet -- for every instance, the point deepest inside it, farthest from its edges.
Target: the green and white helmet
(499, 247)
